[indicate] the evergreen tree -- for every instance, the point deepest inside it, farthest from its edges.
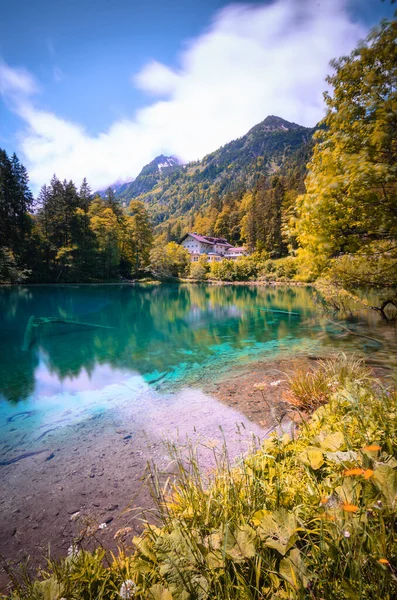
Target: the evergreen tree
(16, 201)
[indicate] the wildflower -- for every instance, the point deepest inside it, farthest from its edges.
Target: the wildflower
(346, 534)
(368, 473)
(351, 508)
(102, 526)
(378, 505)
(275, 383)
(356, 471)
(383, 561)
(328, 517)
(127, 590)
(372, 448)
(332, 501)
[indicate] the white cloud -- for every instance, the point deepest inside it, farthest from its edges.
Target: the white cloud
(252, 61)
(157, 79)
(14, 82)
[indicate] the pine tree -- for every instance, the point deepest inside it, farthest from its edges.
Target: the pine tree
(16, 201)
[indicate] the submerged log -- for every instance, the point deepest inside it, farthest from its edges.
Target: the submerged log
(10, 461)
(35, 322)
(282, 312)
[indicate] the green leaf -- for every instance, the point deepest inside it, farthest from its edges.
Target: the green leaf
(278, 530)
(349, 491)
(293, 570)
(159, 592)
(144, 547)
(244, 544)
(333, 441)
(348, 458)
(385, 479)
(48, 589)
(313, 457)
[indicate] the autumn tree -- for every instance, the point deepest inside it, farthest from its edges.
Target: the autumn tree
(169, 261)
(105, 226)
(350, 206)
(140, 228)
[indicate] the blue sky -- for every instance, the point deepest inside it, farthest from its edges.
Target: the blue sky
(88, 84)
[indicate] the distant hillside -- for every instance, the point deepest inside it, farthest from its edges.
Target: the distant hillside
(149, 177)
(172, 190)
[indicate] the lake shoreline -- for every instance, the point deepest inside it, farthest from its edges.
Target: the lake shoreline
(93, 471)
(85, 409)
(277, 283)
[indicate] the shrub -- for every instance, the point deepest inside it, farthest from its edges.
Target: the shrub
(309, 388)
(200, 269)
(223, 271)
(171, 261)
(286, 267)
(9, 269)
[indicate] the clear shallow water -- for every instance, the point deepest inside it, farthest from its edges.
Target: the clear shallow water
(159, 337)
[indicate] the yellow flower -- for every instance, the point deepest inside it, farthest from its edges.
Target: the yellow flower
(352, 508)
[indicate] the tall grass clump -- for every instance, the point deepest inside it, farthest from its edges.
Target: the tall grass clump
(309, 388)
(307, 516)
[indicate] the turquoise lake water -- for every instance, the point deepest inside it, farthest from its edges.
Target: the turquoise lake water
(125, 338)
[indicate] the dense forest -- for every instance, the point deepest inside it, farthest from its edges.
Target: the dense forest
(72, 235)
(307, 203)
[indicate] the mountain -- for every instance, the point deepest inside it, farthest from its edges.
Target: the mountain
(175, 191)
(150, 176)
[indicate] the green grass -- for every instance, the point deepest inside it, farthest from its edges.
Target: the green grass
(308, 517)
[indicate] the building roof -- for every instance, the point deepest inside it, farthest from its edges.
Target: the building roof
(205, 239)
(239, 249)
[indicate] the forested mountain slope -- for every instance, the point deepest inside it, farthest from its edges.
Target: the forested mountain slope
(177, 192)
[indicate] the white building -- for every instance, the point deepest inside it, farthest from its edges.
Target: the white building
(236, 252)
(214, 248)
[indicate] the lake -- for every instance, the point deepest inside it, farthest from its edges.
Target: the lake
(164, 335)
(94, 377)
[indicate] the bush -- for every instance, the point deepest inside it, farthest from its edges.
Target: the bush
(199, 270)
(281, 269)
(10, 272)
(309, 388)
(286, 267)
(170, 261)
(223, 271)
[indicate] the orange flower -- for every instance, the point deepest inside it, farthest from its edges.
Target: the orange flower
(324, 500)
(352, 508)
(357, 471)
(372, 448)
(383, 561)
(368, 473)
(328, 517)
